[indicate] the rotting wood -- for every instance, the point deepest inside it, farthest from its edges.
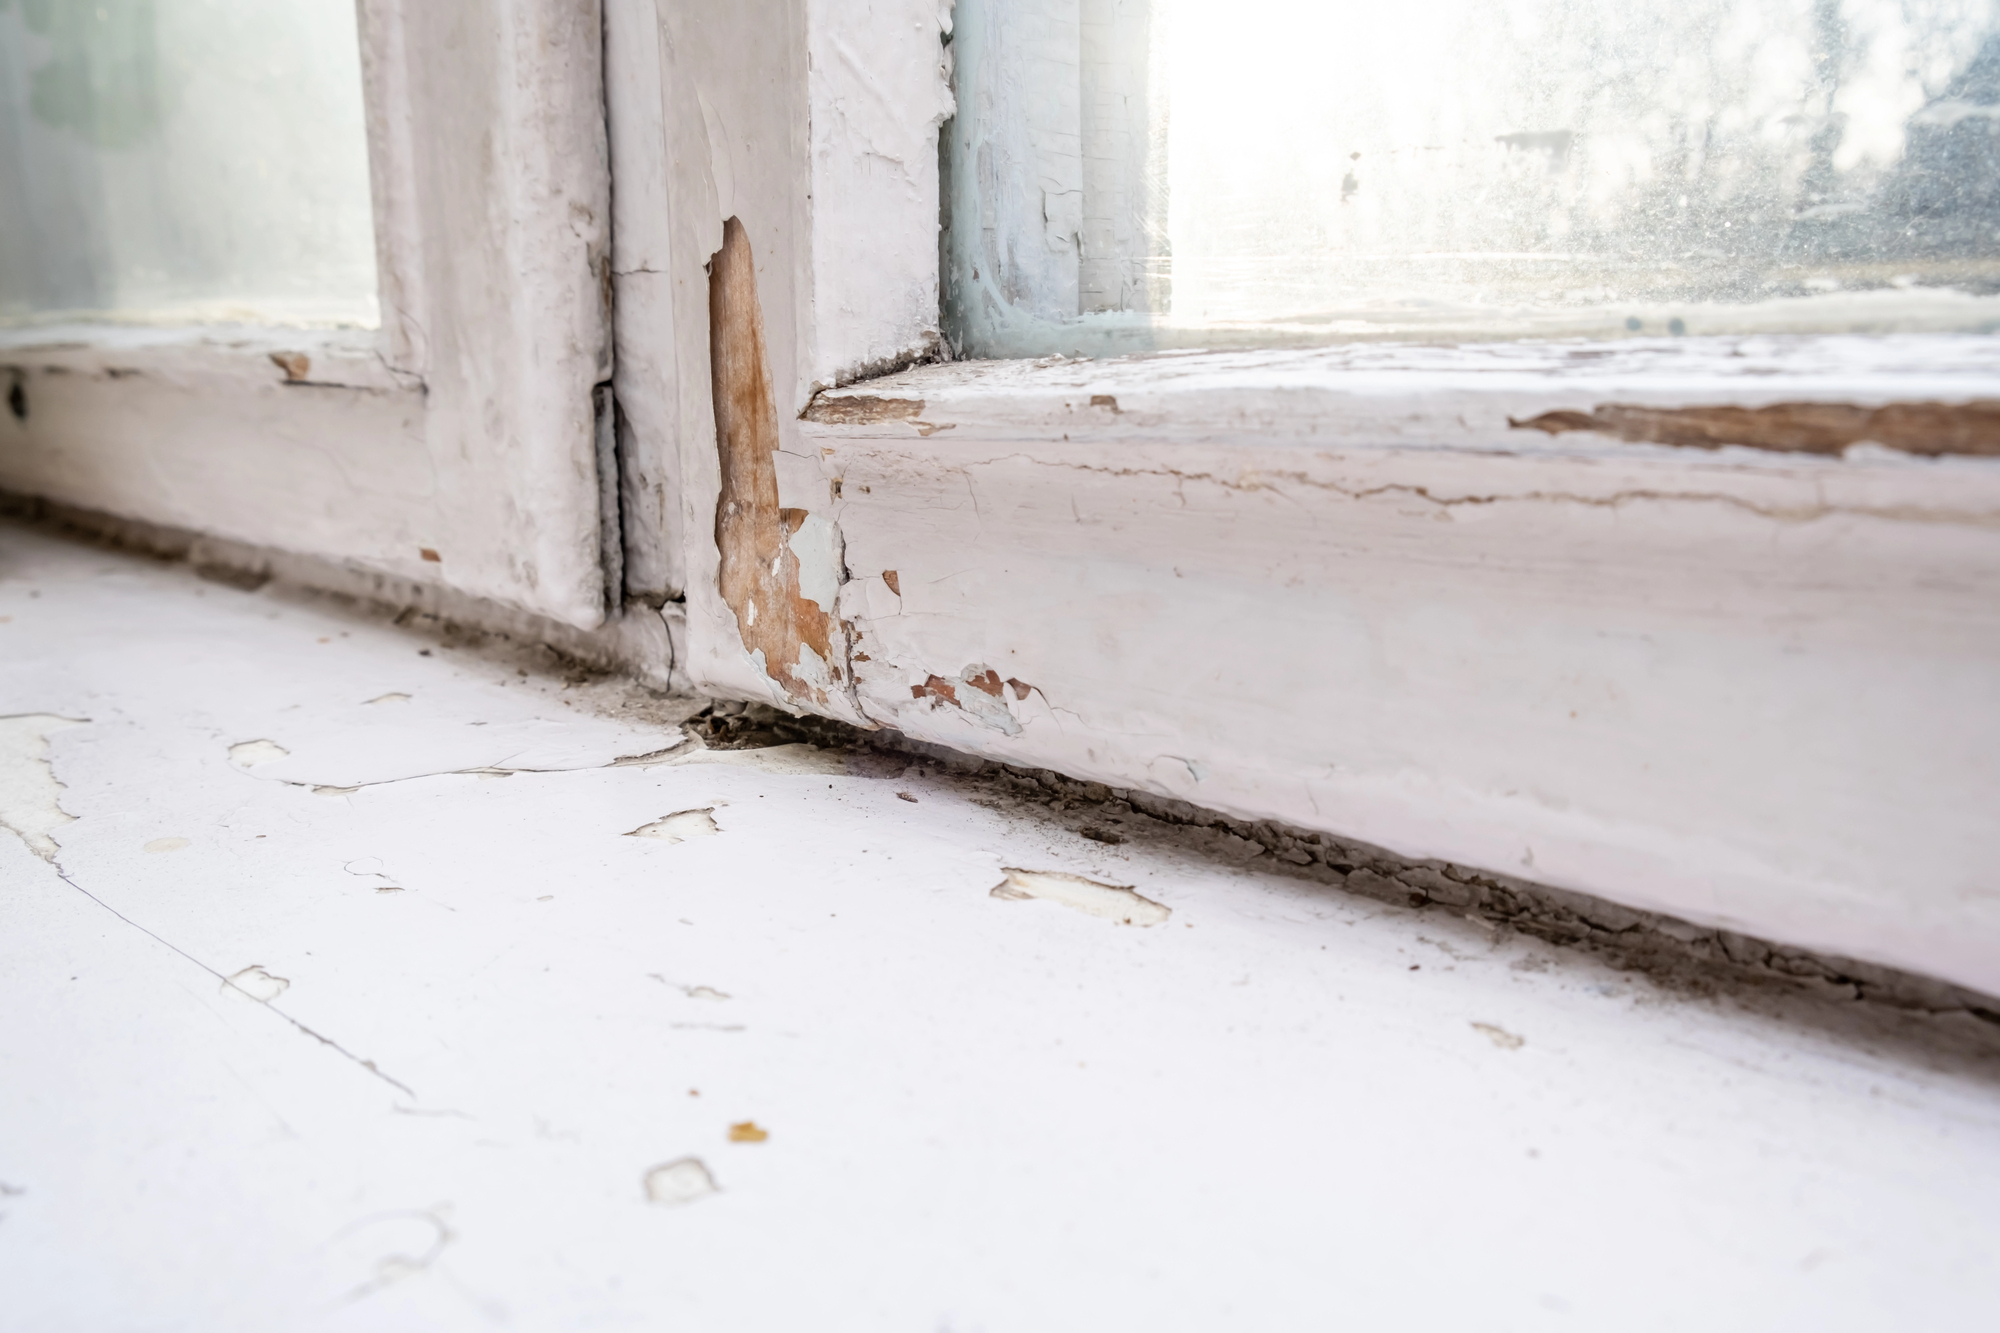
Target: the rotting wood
(1931, 430)
(860, 410)
(759, 574)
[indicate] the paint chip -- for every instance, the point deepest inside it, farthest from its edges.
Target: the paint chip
(746, 1131)
(679, 1182)
(430, 556)
(258, 984)
(1113, 902)
(905, 796)
(166, 844)
(895, 583)
(1501, 1037)
(680, 826)
(393, 697)
(249, 754)
(296, 365)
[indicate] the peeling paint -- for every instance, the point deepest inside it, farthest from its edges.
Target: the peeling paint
(1931, 430)
(1113, 902)
(29, 792)
(249, 754)
(680, 826)
(777, 603)
(680, 1181)
(815, 544)
(257, 983)
(976, 691)
(1499, 1036)
(860, 410)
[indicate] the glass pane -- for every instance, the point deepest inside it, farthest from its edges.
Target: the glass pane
(1270, 171)
(184, 160)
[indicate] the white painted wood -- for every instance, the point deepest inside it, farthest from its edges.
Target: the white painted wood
(815, 125)
(510, 234)
(1749, 689)
(734, 75)
(878, 91)
(1331, 587)
(1282, 1108)
(647, 375)
(202, 430)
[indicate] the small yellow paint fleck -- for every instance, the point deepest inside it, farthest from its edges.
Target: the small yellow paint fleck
(747, 1132)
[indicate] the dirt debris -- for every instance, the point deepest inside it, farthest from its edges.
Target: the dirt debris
(1676, 955)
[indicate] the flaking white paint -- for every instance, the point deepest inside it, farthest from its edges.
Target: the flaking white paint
(30, 796)
(1752, 690)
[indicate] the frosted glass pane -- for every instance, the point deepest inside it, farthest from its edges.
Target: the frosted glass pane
(1312, 170)
(184, 160)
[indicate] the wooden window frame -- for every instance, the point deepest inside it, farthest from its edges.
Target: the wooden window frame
(1705, 626)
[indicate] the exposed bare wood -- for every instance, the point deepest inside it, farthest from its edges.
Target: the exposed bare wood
(759, 573)
(1929, 429)
(861, 410)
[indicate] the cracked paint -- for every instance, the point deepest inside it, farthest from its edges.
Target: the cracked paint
(29, 793)
(680, 826)
(977, 691)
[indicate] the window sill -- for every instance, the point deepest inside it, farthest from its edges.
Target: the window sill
(1339, 589)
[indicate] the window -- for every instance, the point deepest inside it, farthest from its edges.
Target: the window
(331, 280)
(1129, 174)
(184, 162)
(1393, 526)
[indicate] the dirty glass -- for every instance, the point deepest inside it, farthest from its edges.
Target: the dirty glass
(183, 160)
(1124, 174)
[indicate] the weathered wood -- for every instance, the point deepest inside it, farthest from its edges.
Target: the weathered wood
(1754, 690)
